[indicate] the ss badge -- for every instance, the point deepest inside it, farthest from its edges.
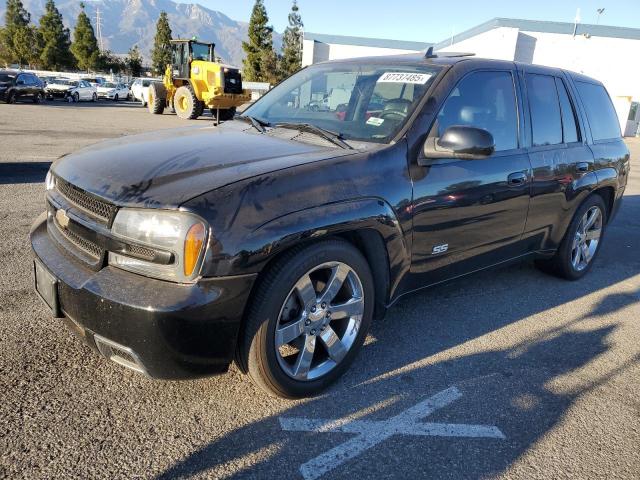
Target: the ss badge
(440, 249)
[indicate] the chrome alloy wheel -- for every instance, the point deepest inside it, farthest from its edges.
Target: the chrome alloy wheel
(319, 321)
(587, 237)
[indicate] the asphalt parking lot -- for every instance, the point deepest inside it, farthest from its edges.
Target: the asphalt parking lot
(506, 374)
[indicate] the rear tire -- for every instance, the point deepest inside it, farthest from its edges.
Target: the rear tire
(75, 97)
(157, 98)
(94, 97)
(294, 293)
(38, 98)
(115, 98)
(186, 103)
(581, 242)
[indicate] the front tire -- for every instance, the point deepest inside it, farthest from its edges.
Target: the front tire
(186, 103)
(308, 318)
(581, 242)
(76, 97)
(94, 97)
(116, 98)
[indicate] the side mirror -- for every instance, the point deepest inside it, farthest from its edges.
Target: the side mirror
(459, 141)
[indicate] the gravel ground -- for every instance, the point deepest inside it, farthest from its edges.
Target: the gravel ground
(554, 365)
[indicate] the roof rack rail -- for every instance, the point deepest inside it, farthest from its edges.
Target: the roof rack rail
(429, 53)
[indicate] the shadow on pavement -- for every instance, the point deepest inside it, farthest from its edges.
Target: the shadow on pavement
(525, 388)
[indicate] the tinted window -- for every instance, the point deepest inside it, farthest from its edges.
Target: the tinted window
(545, 110)
(484, 100)
(600, 112)
(5, 77)
(569, 127)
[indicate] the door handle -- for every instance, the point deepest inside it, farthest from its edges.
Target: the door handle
(582, 167)
(516, 179)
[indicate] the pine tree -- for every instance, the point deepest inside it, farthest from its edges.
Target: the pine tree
(17, 31)
(161, 53)
(292, 43)
(56, 40)
(134, 62)
(259, 44)
(85, 45)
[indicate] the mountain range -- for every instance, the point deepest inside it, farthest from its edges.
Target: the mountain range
(133, 22)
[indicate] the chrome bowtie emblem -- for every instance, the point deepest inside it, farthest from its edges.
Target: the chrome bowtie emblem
(62, 218)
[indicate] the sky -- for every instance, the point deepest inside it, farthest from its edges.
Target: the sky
(425, 20)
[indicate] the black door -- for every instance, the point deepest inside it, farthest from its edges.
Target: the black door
(22, 86)
(560, 157)
(469, 214)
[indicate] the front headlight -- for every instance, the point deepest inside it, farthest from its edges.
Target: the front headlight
(49, 181)
(181, 234)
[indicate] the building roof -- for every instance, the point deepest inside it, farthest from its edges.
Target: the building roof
(366, 42)
(545, 27)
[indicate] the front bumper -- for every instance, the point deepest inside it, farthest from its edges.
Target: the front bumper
(171, 331)
(57, 93)
(110, 96)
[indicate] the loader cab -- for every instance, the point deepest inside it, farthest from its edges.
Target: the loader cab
(184, 52)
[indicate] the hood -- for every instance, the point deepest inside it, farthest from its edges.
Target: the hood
(59, 86)
(167, 168)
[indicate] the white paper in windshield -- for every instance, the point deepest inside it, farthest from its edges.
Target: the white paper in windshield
(401, 77)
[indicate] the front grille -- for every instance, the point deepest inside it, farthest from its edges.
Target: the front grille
(83, 244)
(94, 206)
(142, 252)
(232, 81)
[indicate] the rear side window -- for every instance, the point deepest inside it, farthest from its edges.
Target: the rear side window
(569, 127)
(545, 110)
(484, 100)
(603, 119)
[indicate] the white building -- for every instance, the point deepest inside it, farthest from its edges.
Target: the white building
(319, 48)
(610, 54)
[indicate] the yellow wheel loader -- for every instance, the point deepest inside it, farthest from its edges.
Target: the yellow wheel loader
(195, 81)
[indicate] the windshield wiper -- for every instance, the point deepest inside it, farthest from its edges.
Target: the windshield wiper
(256, 122)
(333, 137)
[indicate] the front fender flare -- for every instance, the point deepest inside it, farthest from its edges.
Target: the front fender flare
(312, 224)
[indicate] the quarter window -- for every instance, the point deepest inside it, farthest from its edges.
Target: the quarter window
(603, 119)
(545, 110)
(569, 127)
(484, 100)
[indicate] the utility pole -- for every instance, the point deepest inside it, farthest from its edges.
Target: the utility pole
(99, 29)
(600, 12)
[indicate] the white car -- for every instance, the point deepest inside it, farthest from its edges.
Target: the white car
(71, 90)
(140, 89)
(113, 91)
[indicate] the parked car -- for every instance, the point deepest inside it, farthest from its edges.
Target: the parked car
(71, 90)
(140, 90)
(278, 237)
(16, 86)
(113, 91)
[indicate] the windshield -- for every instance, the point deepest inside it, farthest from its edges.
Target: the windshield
(109, 85)
(368, 102)
(5, 77)
(200, 51)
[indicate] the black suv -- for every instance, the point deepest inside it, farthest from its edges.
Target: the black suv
(276, 238)
(16, 86)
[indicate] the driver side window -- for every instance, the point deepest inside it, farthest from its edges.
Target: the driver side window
(484, 100)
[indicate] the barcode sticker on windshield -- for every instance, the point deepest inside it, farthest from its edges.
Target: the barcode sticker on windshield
(400, 77)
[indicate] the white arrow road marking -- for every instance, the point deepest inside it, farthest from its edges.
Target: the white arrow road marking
(372, 432)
